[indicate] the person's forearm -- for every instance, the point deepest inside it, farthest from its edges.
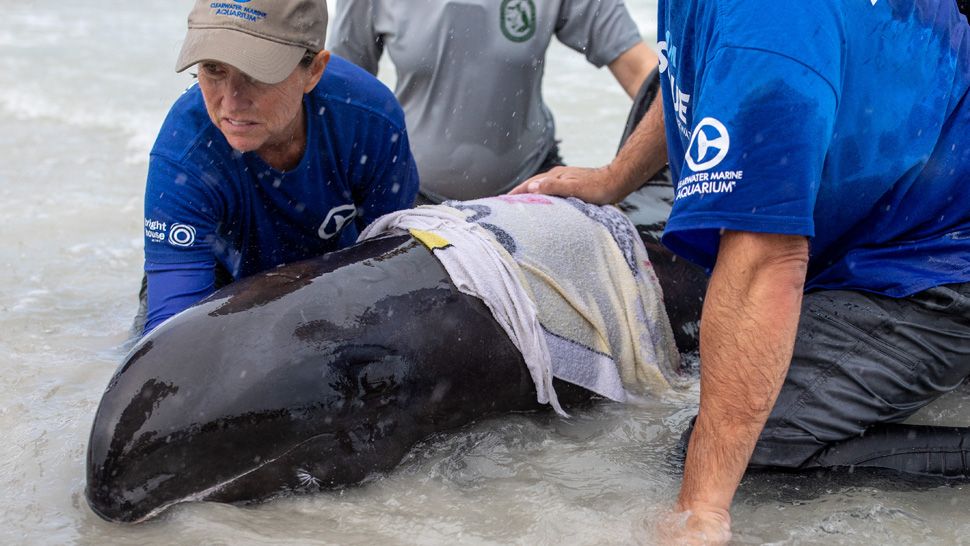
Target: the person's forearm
(747, 335)
(643, 154)
(633, 66)
(174, 288)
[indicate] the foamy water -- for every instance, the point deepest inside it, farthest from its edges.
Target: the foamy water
(84, 86)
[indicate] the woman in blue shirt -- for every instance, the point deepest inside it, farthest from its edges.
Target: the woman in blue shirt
(280, 153)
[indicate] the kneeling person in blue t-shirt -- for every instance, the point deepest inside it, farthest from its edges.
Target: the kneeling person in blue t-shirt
(279, 153)
(821, 153)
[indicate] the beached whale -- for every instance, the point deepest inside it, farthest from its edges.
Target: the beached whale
(318, 374)
(345, 361)
(326, 372)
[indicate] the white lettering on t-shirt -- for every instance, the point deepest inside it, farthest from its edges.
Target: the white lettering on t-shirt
(705, 187)
(708, 182)
(681, 100)
(155, 231)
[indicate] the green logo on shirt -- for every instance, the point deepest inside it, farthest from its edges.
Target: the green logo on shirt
(518, 19)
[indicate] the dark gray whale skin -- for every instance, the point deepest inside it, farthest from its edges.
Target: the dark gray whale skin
(323, 373)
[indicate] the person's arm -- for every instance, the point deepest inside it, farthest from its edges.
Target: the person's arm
(174, 288)
(181, 214)
(390, 182)
(747, 336)
(633, 66)
(352, 35)
(644, 153)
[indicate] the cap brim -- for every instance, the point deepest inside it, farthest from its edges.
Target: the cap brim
(263, 60)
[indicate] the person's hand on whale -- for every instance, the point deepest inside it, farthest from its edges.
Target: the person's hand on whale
(643, 154)
(593, 185)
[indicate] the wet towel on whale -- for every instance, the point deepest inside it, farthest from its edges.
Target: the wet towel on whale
(569, 282)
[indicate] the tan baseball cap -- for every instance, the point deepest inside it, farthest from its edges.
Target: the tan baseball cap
(265, 39)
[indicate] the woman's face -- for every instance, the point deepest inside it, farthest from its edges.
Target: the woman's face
(254, 116)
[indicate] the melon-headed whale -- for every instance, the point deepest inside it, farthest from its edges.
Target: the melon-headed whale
(315, 375)
(323, 373)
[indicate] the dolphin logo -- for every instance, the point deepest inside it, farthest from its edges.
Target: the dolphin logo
(703, 144)
(336, 219)
(721, 142)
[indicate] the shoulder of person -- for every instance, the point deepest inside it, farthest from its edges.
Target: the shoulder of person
(774, 18)
(190, 142)
(188, 132)
(349, 88)
(807, 32)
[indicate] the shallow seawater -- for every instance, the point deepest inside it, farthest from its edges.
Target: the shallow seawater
(83, 88)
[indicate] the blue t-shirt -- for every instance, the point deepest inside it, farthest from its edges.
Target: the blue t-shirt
(847, 121)
(206, 203)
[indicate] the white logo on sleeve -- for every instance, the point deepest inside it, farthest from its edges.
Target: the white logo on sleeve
(181, 235)
(336, 219)
(709, 145)
(702, 142)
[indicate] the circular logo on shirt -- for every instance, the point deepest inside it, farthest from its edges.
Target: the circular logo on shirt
(518, 19)
(708, 145)
(181, 235)
(336, 219)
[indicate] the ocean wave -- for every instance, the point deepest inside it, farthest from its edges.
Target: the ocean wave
(140, 127)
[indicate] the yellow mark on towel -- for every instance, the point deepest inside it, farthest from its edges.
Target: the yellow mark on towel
(430, 240)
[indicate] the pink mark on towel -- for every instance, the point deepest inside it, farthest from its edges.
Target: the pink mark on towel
(525, 198)
(649, 270)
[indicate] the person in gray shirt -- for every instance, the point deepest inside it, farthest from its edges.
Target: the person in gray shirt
(469, 76)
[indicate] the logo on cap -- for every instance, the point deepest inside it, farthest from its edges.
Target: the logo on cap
(336, 219)
(518, 19)
(239, 12)
(710, 134)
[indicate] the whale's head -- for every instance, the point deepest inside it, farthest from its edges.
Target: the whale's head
(229, 399)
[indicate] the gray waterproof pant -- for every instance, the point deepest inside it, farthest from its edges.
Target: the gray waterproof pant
(863, 363)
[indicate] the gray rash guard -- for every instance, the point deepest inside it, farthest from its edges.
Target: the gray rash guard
(470, 77)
